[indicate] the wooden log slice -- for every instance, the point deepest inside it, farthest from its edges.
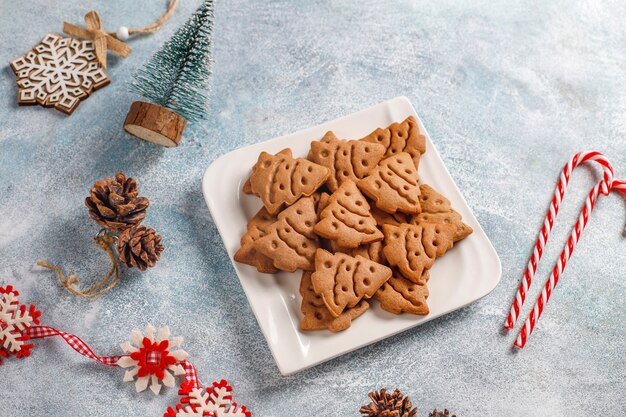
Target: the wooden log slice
(155, 124)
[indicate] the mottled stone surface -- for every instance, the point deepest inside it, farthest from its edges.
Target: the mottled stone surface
(508, 91)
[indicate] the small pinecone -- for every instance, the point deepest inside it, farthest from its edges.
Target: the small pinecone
(437, 413)
(388, 405)
(114, 203)
(139, 246)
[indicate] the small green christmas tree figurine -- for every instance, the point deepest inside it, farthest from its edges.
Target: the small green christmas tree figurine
(176, 80)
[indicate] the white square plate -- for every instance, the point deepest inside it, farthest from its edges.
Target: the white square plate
(468, 272)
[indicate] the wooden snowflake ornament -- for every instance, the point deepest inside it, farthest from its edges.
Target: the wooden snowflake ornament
(59, 72)
(15, 319)
(213, 401)
(152, 359)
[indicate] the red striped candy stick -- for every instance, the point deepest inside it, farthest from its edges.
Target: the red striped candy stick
(529, 325)
(603, 187)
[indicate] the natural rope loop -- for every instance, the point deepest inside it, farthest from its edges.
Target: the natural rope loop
(109, 40)
(157, 24)
(106, 242)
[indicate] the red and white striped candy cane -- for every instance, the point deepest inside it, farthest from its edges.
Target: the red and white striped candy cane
(603, 187)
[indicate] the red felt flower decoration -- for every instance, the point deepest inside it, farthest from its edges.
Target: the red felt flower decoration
(152, 359)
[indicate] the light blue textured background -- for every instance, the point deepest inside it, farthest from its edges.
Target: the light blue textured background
(508, 91)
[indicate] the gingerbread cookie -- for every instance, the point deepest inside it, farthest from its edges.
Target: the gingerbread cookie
(400, 295)
(257, 228)
(290, 241)
(373, 252)
(347, 219)
(342, 281)
(247, 186)
(414, 248)
(346, 159)
(400, 137)
(280, 180)
(393, 185)
(436, 209)
(317, 316)
(382, 217)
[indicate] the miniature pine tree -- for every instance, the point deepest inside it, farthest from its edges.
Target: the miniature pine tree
(176, 80)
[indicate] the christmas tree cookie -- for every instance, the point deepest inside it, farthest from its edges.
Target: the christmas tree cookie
(280, 180)
(342, 280)
(258, 227)
(400, 137)
(346, 220)
(436, 209)
(317, 316)
(414, 248)
(346, 159)
(399, 295)
(290, 241)
(393, 185)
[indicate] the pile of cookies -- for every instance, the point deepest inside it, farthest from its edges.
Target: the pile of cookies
(355, 219)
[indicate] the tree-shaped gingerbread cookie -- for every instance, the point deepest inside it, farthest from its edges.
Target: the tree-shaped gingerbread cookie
(315, 314)
(346, 159)
(436, 209)
(342, 280)
(400, 137)
(393, 185)
(280, 180)
(399, 295)
(290, 241)
(258, 227)
(346, 220)
(414, 248)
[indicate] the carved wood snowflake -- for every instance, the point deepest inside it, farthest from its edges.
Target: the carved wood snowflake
(15, 319)
(59, 72)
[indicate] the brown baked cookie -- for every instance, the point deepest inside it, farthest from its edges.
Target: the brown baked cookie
(317, 316)
(290, 241)
(247, 254)
(436, 209)
(342, 281)
(247, 186)
(373, 252)
(382, 217)
(414, 248)
(393, 185)
(280, 180)
(322, 203)
(347, 219)
(400, 295)
(346, 159)
(400, 137)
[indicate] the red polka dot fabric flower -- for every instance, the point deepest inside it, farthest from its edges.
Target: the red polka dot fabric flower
(152, 359)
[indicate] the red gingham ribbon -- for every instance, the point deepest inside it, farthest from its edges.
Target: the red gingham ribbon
(76, 343)
(604, 187)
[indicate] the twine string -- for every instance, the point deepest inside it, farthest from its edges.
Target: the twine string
(156, 25)
(104, 41)
(112, 278)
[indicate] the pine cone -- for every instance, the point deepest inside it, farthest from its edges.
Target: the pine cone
(388, 405)
(114, 203)
(437, 413)
(139, 246)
